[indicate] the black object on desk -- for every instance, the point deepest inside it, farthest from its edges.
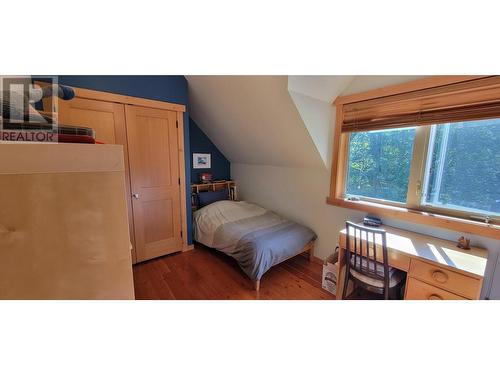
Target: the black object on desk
(372, 221)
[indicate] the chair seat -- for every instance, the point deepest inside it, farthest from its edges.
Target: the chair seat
(395, 276)
(394, 279)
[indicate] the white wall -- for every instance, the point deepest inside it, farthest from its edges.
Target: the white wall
(300, 194)
(316, 117)
(495, 290)
(278, 149)
(313, 97)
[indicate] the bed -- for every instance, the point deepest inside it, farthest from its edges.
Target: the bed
(254, 236)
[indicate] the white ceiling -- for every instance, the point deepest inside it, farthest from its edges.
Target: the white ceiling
(365, 83)
(252, 119)
(274, 120)
(324, 88)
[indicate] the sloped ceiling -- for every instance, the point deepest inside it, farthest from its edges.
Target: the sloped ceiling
(252, 120)
(324, 88)
(313, 97)
(274, 120)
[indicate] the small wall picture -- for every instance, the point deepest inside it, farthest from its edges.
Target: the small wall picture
(201, 161)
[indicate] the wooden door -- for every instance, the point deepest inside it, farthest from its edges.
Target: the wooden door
(155, 180)
(108, 121)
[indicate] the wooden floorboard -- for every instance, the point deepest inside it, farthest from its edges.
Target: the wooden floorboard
(207, 274)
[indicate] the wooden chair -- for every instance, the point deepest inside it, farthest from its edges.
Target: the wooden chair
(362, 267)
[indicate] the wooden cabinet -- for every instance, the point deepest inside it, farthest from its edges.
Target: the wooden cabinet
(151, 133)
(445, 279)
(63, 222)
(108, 121)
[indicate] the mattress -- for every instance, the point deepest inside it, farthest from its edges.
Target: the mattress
(256, 237)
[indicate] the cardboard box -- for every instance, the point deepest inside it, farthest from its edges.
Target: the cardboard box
(330, 275)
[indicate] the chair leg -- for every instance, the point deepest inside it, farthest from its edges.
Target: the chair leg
(402, 290)
(394, 293)
(346, 281)
(397, 292)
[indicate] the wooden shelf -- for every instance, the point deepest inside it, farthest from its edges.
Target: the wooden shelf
(213, 186)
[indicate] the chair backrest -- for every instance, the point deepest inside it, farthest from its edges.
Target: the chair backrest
(363, 245)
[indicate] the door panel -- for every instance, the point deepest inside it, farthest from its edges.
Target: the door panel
(158, 222)
(100, 116)
(108, 121)
(154, 176)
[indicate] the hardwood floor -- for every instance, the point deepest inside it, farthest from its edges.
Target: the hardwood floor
(203, 273)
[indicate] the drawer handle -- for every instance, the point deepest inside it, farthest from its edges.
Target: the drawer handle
(435, 297)
(440, 276)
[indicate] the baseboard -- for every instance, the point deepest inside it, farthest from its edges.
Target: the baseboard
(313, 259)
(317, 260)
(187, 248)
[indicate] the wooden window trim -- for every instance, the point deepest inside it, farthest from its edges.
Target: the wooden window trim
(420, 217)
(420, 84)
(339, 167)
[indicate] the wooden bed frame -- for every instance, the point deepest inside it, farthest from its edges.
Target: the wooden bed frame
(308, 249)
(230, 185)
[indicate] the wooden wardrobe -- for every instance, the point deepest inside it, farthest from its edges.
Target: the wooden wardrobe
(152, 135)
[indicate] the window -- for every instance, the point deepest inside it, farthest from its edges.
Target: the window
(427, 151)
(379, 164)
(463, 168)
(461, 174)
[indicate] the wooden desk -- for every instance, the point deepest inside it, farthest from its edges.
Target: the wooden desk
(436, 268)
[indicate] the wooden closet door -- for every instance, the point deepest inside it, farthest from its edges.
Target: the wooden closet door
(108, 121)
(106, 118)
(155, 180)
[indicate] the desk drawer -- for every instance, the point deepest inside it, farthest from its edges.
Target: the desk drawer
(449, 280)
(419, 290)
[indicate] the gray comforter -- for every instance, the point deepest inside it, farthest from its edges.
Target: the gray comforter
(256, 242)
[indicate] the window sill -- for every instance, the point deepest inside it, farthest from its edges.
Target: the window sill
(420, 217)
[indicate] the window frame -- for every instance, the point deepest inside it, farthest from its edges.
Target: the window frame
(414, 162)
(414, 210)
(466, 214)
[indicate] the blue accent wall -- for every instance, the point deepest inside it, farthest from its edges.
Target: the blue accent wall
(200, 143)
(171, 89)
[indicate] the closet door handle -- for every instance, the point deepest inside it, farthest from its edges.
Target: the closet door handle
(136, 195)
